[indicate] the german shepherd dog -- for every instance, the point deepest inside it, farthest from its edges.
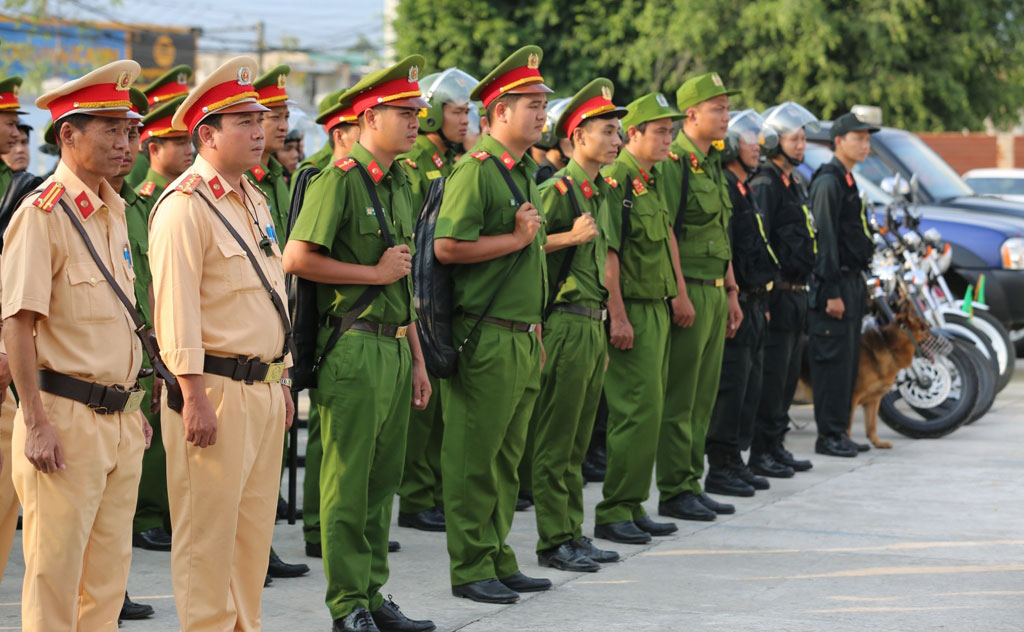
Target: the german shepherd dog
(883, 353)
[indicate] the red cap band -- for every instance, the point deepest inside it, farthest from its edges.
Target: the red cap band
(166, 92)
(522, 76)
(271, 95)
(384, 93)
(217, 97)
(345, 116)
(160, 128)
(104, 96)
(591, 107)
(9, 101)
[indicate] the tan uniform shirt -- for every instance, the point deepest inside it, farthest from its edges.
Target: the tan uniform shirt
(208, 297)
(82, 329)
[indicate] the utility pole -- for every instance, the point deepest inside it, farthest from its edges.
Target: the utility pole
(261, 45)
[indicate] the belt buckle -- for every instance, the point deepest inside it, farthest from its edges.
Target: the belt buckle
(532, 328)
(719, 282)
(275, 371)
(401, 331)
(604, 314)
(768, 288)
(134, 403)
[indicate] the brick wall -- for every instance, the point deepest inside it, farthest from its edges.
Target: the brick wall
(977, 150)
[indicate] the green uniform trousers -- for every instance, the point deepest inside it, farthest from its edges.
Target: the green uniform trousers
(563, 419)
(153, 510)
(421, 477)
(635, 391)
(311, 481)
(694, 369)
(487, 406)
(364, 392)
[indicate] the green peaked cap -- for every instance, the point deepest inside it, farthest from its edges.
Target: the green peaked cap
(650, 107)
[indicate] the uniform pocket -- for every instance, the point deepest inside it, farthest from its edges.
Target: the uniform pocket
(827, 339)
(92, 297)
(237, 274)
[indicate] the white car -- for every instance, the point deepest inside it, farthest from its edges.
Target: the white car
(1004, 183)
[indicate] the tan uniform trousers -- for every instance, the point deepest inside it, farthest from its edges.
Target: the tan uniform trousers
(9, 504)
(223, 502)
(77, 525)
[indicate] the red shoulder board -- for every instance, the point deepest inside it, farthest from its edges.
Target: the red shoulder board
(437, 160)
(409, 162)
(480, 155)
(673, 155)
(189, 184)
(562, 187)
(375, 171)
(742, 188)
(693, 160)
(785, 180)
(85, 207)
(587, 189)
(849, 179)
(147, 189)
(612, 182)
(345, 163)
(638, 186)
(48, 198)
(259, 173)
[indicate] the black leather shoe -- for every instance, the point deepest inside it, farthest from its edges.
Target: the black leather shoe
(152, 539)
(860, 447)
(833, 446)
(566, 557)
(727, 482)
(389, 618)
(279, 568)
(427, 520)
(625, 532)
(523, 503)
(394, 546)
(585, 546)
(685, 506)
(784, 456)
(748, 477)
(521, 583)
(765, 464)
(131, 611)
(714, 505)
(314, 549)
(486, 591)
(593, 472)
(359, 620)
(645, 523)
(282, 510)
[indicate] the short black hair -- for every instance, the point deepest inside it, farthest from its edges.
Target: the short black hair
(508, 99)
(585, 123)
(214, 121)
(330, 132)
(79, 121)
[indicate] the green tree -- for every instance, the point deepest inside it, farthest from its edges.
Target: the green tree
(930, 64)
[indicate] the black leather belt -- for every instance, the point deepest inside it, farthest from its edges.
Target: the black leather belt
(757, 291)
(708, 282)
(790, 287)
(388, 331)
(580, 310)
(242, 369)
(510, 324)
(104, 400)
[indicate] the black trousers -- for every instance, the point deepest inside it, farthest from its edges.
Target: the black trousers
(834, 353)
(739, 390)
(782, 362)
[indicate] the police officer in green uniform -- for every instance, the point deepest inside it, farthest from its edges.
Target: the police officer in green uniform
(707, 306)
(442, 128)
(169, 151)
(640, 274)
(496, 248)
(551, 152)
(375, 371)
(168, 86)
(10, 108)
(342, 129)
(755, 267)
(783, 200)
(269, 176)
(838, 296)
(574, 334)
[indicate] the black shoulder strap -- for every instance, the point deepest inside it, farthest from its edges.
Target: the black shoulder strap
(140, 327)
(627, 225)
(275, 298)
(570, 252)
(677, 226)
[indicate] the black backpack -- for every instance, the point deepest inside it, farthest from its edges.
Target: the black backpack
(302, 301)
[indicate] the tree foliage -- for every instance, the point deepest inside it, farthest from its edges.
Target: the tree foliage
(930, 64)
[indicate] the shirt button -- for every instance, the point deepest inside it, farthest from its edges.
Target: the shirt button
(92, 279)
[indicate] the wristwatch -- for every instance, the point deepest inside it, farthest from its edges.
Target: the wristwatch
(286, 381)
(732, 288)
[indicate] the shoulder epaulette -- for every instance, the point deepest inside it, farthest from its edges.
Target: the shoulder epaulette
(480, 155)
(49, 197)
(189, 184)
(147, 189)
(612, 182)
(562, 187)
(673, 155)
(410, 162)
(345, 163)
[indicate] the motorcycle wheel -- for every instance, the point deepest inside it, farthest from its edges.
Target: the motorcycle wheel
(949, 396)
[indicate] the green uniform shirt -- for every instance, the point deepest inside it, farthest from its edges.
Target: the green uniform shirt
(424, 164)
(338, 215)
(585, 283)
(704, 249)
(136, 210)
(321, 159)
(477, 201)
(5, 177)
(138, 172)
(152, 187)
(271, 181)
(645, 268)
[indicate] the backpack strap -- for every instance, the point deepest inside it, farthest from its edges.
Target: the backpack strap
(563, 270)
(677, 227)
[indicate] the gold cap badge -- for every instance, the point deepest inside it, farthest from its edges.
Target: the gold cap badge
(606, 92)
(533, 61)
(715, 79)
(282, 79)
(124, 80)
(414, 74)
(244, 76)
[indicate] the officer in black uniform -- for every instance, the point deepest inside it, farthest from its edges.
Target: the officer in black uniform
(783, 201)
(755, 267)
(838, 295)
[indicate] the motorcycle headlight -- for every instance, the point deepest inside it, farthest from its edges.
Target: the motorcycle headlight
(1012, 251)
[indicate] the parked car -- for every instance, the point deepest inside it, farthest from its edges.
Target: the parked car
(1007, 184)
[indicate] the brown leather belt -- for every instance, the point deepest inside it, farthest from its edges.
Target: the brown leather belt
(790, 287)
(510, 324)
(708, 282)
(388, 331)
(104, 400)
(243, 369)
(580, 310)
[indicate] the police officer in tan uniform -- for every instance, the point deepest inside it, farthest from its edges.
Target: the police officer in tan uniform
(78, 434)
(223, 336)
